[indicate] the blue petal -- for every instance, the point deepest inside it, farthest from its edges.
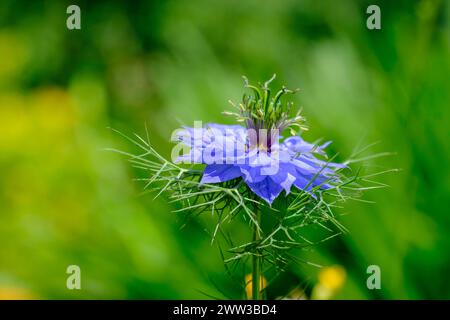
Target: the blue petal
(215, 173)
(297, 144)
(266, 189)
(252, 174)
(301, 182)
(285, 176)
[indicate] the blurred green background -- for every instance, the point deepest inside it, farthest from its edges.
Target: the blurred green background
(63, 200)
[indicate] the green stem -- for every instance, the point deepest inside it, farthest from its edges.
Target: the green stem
(256, 262)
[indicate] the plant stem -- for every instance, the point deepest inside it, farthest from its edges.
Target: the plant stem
(256, 262)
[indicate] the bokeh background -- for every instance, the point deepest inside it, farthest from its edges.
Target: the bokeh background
(64, 200)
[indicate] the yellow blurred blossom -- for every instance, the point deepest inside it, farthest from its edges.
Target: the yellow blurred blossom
(44, 115)
(331, 279)
(15, 293)
(249, 285)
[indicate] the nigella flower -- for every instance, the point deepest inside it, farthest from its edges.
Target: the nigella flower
(254, 152)
(263, 157)
(232, 152)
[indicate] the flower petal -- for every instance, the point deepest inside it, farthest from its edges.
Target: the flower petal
(215, 173)
(266, 189)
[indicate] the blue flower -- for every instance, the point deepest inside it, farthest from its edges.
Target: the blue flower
(267, 165)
